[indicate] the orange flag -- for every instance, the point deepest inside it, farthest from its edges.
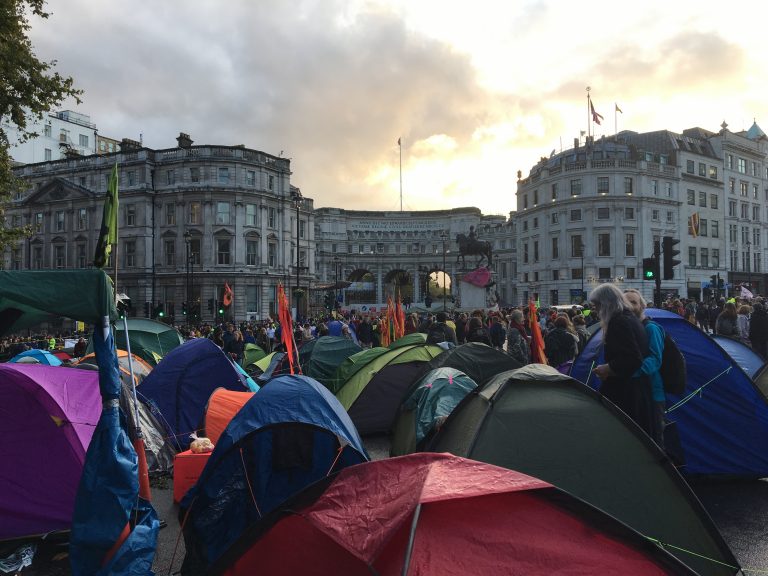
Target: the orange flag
(537, 340)
(400, 317)
(286, 324)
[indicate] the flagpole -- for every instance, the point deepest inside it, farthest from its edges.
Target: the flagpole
(615, 120)
(400, 146)
(589, 115)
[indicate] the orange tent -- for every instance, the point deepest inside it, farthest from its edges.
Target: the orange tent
(222, 407)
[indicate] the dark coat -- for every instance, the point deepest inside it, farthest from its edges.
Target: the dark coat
(559, 346)
(758, 331)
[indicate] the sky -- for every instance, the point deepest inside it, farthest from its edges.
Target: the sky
(475, 91)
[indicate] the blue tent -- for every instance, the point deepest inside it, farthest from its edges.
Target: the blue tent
(743, 355)
(722, 418)
(289, 435)
(180, 385)
(40, 356)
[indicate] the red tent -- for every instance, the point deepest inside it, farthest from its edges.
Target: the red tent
(441, 514)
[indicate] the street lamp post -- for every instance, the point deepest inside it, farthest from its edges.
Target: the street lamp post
(336, 266)
(581, 252)
(188, 290)
(297, 202)
(749, 266)
(444, 237)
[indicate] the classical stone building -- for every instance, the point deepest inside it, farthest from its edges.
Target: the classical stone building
(592, 213)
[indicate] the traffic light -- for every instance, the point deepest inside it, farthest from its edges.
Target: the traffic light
(668, 247)
(720, 284)
(327, 300)
(184, 308)
(210, 304)
(713, 281)
(649, 268)
(147, 309)
(160, 310)
(220, 306)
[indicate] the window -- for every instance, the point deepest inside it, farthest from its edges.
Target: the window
(223, 175)
(629, 245)
(303, 226)
(742, 168)
(131, 178)
(170, 177)
(576, 187)
(252, 298)
(630, 273)
(732, 186)
(690, 166)
(130, 215)
(713, 172)
(250, 178)
(130, 253)
(271, 183)
(702, 169)
(555, 274)
(102, 146)
(602, 185)
(222, 212)
(715, 258)
(555, 218)
(603, 213)
(59, 221)
(576, 215)
(37, 258)
(713, 201)
(194, 174)
(38, 222)
(47, 130)
(555, 248)
(627, 185)
(692, 197)
(732, 208)
(272, 254)
(250, 215)
(715, 229)
(169, 252)
(82, 219)
(729, 161)
(668, 189)
(535, 197)
(194, 250)
(604, 244)
(554, 191)
(604, 273)
(703, 199)
(629, 213)
(655, 215)
(576, 273)
(195, 213)
(691, 256)
(48, 155)
(525, 253)
(59, 257)
(252, 252)
(271, 217)
(655, 187)
(754, 191)
(704, 258)
(525, 201)
(223, 250)
(754, 169)
(744, 189)
(670, 216)
(756, 213)
(535, 250)
(170, 214)
(525, 225)
(703, 227)
(576, 246)
(733, 233)
(81, 258)
(744, 210)
(84, 140)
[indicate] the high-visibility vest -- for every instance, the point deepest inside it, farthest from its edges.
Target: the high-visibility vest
(52, 343)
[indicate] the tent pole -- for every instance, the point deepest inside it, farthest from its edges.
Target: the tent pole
(411, 538)
(133, 380)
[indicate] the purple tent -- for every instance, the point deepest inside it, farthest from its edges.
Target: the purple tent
(47, 417)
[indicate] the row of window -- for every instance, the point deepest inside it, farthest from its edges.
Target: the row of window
(704, 172)
(713, 199)
(601, 213)
(741, 165)
(744, 210)
(575, 188)
(703, 257)
(603, 273)
(577, 247)
(749, 236)
(744, 188)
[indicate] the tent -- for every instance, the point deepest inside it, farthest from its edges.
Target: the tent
(325, 356)
(252, 353)
(408, 339)
(747, 359)
(179, 387)
(372, 396)
(47, 418)
(289, 435)
(479, 362)
(268, 365)
(36, 356)
(431, 401)
(150, 339)
(721, 419)
(141, 368)
(222, 407)
(102, 540)
(439, 514)
(548, 425)
(352, 365)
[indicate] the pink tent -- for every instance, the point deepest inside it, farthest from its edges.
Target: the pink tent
(47, 417)
(440, 514)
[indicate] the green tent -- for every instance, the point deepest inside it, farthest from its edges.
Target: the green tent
(30, 297)
(431, 401)
(352, 365)
(478, 361)
(327, 354)
(542, 423)
(150, 339)
(408, 339)
(372, 396)
(253, 353)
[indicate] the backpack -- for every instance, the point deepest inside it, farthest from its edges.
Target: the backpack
(673, 371)
(436, 333)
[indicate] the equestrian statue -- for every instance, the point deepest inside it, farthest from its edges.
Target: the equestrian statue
(470, 245)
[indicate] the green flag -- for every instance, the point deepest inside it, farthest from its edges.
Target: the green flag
(108, 234)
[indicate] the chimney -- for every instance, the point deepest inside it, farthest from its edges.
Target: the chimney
(128, 145)
(184, 140)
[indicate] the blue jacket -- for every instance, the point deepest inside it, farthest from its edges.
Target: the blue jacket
(652, 363)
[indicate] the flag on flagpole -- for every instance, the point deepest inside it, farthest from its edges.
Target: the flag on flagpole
(693, 224)
(746, 293)
(398, 142)
(596, 118)
(286, 324)
(108, 234)
(619, 110)
(226, 297)
(537, 340)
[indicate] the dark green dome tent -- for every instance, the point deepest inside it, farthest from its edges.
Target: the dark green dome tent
(478, 361)
(550, 426)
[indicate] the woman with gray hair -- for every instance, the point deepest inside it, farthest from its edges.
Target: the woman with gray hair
(625, 344)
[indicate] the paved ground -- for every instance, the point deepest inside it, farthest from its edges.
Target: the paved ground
(740, 510)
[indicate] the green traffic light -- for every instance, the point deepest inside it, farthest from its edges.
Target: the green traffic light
(649, 274)
(221, 311)
(161, 314)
